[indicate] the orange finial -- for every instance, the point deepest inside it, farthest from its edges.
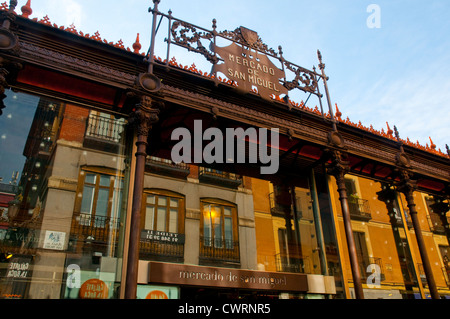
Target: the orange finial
(136, 45)
(389, 131)
(338, 113)
(432, 145)
(26, 9)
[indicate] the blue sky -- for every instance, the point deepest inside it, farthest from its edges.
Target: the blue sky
(397, 73)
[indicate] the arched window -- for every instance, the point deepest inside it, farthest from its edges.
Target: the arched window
(163, 211)
(219, 230)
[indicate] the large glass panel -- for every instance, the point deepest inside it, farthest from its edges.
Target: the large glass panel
(161, 219)
(64, 207)
(173, 220)
(207, 229)
(295, 228)
(149, 217)
(216, 216)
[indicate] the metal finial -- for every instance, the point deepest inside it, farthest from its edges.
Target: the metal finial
(396, 133)
(214, 25)
(321, 65)
(12, 5)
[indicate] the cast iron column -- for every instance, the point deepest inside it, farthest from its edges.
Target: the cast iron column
(338, 168)
(407, 187)
(142, 118)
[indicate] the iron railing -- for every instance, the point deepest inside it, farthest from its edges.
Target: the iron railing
(153, 250)
(277, 208)
(222, 178)
(222, 174)
(96, 228)
(285, 263)
(359, 208)
(104, 128)
(435, 222)
(217, 249)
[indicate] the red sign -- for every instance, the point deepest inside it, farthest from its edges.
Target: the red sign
(94, 289)
(156, 294)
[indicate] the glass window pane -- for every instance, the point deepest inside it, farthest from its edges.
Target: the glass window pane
(207, 225)
(173, 220)
(162, 201)
(228, 225)
(105, 180)
(227, 211)
(217, 221)
(90, 178)
(149, 217)
(161, 219)
(173, 202)
(150, 199)
(101, 210)
(88, 197)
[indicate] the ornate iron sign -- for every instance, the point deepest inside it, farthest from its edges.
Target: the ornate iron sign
(247, 61)
(250, 69)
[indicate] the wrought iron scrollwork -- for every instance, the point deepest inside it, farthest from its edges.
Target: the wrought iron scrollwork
(180, 32)
(304, 80)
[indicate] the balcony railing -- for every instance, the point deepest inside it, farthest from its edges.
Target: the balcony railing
(153, 250)
(104, 133)
(104, 128)
(166, 167)
(95, 227)
(219, 250)
(221, 178)
(359, 208)
(276, 208)
(98, 230)
(436, 224)
(285, 263)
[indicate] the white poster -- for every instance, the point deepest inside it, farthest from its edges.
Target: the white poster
(54, 240)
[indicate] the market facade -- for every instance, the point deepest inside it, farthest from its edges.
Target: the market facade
(136, 177)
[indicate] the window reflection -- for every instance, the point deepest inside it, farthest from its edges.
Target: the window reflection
(58, 214)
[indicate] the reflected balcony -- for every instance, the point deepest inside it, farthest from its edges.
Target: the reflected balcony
(277, 209)
(292, 264)
(98, 233)
(220, 178)
(359, 208)
(216, 250)
(104, 133)
(161, 251)
(436, 225)
(166, 167)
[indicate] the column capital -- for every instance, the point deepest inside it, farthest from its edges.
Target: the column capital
(145, 115)
(406, 185)
(339, 165)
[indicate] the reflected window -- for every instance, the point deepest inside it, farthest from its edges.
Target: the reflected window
(219, 225)
(163, 211)
(100, 198)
